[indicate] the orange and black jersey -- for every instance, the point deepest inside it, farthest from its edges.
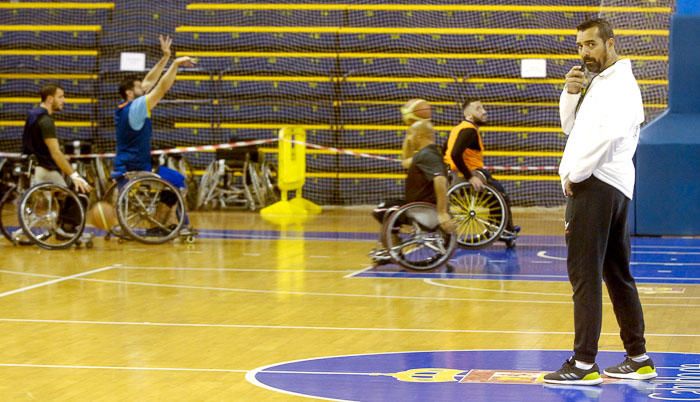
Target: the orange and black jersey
(465, 149)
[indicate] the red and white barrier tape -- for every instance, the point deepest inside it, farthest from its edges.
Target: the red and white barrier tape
(345, 151)
(180, 150)
(238, 144)
(384, 158)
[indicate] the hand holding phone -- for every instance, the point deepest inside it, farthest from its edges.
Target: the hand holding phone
(575, 80)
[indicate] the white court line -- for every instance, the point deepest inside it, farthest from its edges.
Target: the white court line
(318, 328)
(543, 254)
(330, 271)
(671, 247)
(69, 366)
(354, 295)
(54, 281)
(355, 273)
(529, 277)
(444, 285)
(322, 271)
(432, 282)
(667, 252)
(5, 271)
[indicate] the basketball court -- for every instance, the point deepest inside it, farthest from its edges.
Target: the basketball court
(258, 311)
(295, 96)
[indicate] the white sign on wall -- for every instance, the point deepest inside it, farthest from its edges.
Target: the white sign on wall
(533, 68)
(133, 62)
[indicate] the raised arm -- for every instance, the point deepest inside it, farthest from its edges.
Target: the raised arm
(166, 82)
(152, 77)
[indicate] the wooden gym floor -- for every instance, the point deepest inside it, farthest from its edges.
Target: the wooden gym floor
(126, 321)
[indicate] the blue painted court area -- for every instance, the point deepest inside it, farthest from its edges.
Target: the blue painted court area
(471, 375)
(540, 258)
(668, 260)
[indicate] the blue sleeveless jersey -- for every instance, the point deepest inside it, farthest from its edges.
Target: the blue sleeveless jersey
(133, 146)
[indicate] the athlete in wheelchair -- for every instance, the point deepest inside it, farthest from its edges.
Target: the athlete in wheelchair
(50, 214)
(149, 206)
(416, 233)
(478, 202)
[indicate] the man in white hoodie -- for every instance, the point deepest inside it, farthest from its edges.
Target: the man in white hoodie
(601, 110)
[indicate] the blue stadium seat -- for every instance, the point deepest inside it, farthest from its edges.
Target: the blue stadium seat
(14, 133)
(265, 17)
(259, 42)
(78, 88)
(48, 64)
(49, 40)
(39, 16)
(71, 111)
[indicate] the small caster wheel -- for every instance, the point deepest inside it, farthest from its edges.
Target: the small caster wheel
(108, 236)
(510, 244)
(189, 239)
(89, 244)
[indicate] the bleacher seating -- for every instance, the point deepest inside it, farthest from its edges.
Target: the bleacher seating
(340, 68)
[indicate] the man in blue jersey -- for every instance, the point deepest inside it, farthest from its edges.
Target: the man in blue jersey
(134, 129)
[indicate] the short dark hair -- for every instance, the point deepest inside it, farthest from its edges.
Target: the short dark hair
(469, 101)
(49, 90)
(127, 84)
(605, 30)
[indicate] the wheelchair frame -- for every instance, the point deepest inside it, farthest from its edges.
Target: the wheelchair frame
(413, 238)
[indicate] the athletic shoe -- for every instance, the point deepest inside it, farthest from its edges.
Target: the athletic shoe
(572, 375)
(632, 370)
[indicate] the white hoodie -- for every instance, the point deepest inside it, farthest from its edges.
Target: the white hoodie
(603, 135)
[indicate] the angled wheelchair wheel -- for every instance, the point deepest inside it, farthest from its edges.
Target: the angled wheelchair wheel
(480, 216)
(414, 239)
(207, 186)
(150, 210)
(51, 216)
(9, 220)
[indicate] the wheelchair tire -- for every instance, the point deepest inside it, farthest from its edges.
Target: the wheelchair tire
(414, 239)
(480, 216)
(133, 211)
(40, 215)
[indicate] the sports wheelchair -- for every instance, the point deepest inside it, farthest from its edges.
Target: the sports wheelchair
(46, 214)
(237, 178)
(481, 216)
(412, 237)
(149, 209)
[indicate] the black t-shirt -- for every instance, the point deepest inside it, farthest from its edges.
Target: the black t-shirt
(426, 165)
(38, 127)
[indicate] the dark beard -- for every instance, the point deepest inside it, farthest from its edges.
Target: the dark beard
(479, 122)
(595, 66)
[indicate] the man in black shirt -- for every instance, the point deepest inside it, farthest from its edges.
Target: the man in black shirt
(39, 139)
(426, 180)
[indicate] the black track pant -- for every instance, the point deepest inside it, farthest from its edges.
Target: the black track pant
(598, 242)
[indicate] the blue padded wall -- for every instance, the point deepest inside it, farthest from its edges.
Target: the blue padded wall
(667, 200)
